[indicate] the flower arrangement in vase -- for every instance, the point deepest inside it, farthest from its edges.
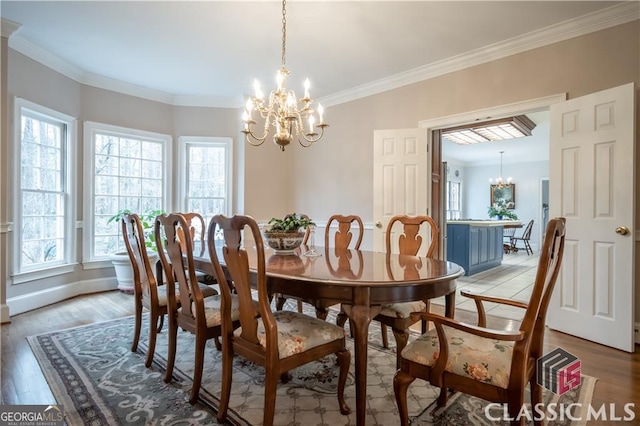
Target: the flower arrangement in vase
(500, 211)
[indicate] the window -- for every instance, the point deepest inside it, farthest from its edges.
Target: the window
(206, 165)
(453, 200)
(126, 169)
(44, 204)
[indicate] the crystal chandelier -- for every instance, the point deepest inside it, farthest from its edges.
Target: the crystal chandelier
(283, 110)
(501, 183)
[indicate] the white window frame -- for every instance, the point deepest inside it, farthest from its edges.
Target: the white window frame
(91, 261)
(68, 262)
(184, 142)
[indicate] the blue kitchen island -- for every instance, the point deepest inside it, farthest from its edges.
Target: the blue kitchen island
(476, 245)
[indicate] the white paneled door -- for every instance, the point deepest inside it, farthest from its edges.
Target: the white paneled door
(401, 167)
(592, 184)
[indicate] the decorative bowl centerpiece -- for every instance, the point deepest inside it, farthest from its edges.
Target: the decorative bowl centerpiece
(286, 235)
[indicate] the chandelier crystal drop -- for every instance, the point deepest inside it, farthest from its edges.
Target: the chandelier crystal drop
(499, 180)
(283, 113)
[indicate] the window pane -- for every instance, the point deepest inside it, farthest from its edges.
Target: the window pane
(42, 185)
(207, 178)
(129, 174)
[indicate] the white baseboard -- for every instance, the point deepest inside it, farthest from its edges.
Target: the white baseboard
(38, 299)
(4, 314)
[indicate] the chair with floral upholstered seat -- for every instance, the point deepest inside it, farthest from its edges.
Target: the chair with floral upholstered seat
(279, 341)
(188, 308)
(398, 315)
(494, 365)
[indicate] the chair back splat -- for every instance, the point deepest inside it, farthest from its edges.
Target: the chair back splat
(343, 236)
(410, 241)
(279, 341)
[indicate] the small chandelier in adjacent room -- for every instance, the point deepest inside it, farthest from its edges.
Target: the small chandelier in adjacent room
(285, 115)
(499, 180)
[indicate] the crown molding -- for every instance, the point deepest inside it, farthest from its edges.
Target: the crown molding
(8, 27)
(596, 21)
(120, 86)
(209, 101)
(606, 18)
(38, 54)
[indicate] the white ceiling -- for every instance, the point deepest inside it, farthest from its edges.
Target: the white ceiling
(209, 52)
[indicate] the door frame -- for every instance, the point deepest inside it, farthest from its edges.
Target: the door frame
(541, 228)
(434, 126)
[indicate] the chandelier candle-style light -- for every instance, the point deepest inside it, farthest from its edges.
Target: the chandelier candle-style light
(291, 118)
(499, 181)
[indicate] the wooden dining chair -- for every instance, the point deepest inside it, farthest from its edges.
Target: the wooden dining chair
(147, 294)
(398, 315)
(525, 237)
(279, 341)
(342, 238)
(188, 308)
(494, 365)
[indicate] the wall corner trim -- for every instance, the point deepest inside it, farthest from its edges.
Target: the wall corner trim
(4, 314)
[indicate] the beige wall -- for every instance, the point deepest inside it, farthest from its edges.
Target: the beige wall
(339, 167)
(334, 175)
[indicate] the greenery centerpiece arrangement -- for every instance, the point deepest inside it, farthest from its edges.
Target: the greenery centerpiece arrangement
(500, 211)
(285, 235)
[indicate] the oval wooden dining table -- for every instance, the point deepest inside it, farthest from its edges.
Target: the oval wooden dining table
(361, 281)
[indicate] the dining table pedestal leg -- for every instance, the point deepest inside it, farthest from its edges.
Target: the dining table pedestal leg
(360, 316)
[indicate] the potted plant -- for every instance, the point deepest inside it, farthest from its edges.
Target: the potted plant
(500, 211)
(121, 261)
(285, 235)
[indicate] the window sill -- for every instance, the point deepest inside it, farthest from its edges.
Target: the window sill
(43, 273)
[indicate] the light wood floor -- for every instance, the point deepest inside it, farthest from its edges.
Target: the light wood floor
(618, 372)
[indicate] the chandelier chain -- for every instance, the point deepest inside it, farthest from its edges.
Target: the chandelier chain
(284, 32)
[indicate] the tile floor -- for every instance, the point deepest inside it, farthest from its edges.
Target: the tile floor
(513, 280)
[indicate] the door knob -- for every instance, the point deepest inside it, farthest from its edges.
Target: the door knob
(622, 230)
(378, 224)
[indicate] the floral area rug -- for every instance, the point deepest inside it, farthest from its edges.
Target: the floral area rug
(465, 410)
(99, 381)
